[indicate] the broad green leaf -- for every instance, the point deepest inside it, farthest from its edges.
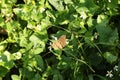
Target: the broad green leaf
(2, 46)
(90, 22)
(6, 10)
(95, 59)
(113, 4)
(91, 6)
(107, 34)
(62, 65)
(110, 57)
(46, 73)
(18, 11)
(65, 62)
(24, 11)
(6, 60)
(68, 1)
(62, 19)
(77, 26)
(38, 39)
(40, 62)
(87, 6)
(57, 76)
(37, 77)
(58, 4)
(26, 73)
(82, 9)
(51, 16)
(17, 55)
(37, 13)
(89, 38)
(57, 52)
(90, 77)
(15, 77)
(0, 78)
(23, 39)
(8, 56)
(9, 2)
(3, 71)
(102, 20)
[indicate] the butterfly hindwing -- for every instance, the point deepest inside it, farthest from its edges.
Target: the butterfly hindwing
(56, 45)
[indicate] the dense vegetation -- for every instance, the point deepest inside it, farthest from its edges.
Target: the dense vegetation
(59, 39)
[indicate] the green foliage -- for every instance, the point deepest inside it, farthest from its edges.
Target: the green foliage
(28, 28)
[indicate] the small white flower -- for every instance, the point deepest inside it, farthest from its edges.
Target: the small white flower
(14, 30)
(8, 15)
(67, 42)
(8, 55)
(96, 35)
(115, 68)
(109, 74)
(109, 0)
(50, 48)
(17, 55)
(38, 27)
(98, 2)
(55, 38)
(83, 15)
(42, 9)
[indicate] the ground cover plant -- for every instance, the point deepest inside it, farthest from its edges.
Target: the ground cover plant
(59, 39)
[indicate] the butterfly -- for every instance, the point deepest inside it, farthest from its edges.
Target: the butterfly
(60, 43)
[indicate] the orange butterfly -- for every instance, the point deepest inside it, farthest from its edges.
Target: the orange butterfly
(60, 43)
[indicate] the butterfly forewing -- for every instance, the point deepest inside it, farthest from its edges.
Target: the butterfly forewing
(62, 40)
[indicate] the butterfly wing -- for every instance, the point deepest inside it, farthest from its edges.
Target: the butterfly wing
(62, 40)
(60, 43)
(56, 45)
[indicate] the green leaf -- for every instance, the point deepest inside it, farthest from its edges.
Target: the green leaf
(26, 73)
(3, 46)
(3, 71)
(89, 38)
(17, 55)
(110, 57)
(1, 78)
(38, 39)
(64, 63)
(15, 77)
(40, 62)
(77, 26)
(58, 4)
(37, 13)
(95, 59)
(6, 60)
(90, 77)
(68, 1)
(37, 77)
(23, 39)
(107, 34)
(57, 76)
(87, 6)
(113, 3)
(24, 11)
